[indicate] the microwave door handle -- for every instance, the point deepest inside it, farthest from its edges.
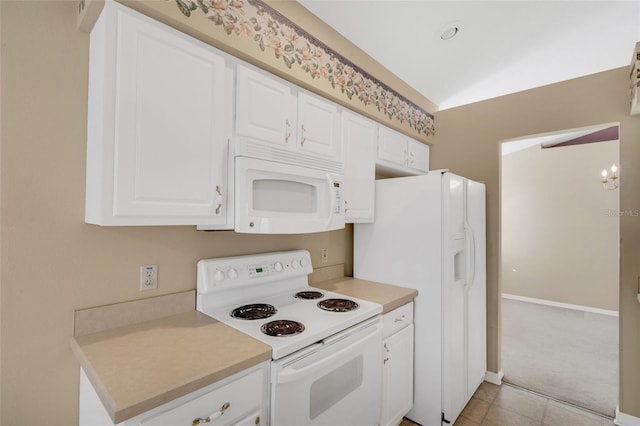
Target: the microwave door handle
(332, 203)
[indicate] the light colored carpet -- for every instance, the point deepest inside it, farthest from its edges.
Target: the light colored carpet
(563, 353)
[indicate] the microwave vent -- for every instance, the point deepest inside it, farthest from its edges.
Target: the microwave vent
(267, 151)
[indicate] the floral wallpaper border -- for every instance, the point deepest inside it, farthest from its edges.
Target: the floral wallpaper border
(274, 32)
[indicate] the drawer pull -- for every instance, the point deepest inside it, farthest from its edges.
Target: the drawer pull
(399, 319)
(211, 417)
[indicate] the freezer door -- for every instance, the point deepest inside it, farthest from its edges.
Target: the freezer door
(455, 272)
(476, 288)
(464, 292)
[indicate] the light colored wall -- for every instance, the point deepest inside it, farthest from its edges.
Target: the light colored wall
(559, 226)
(467, 141)
(0, 218)
(52, 262)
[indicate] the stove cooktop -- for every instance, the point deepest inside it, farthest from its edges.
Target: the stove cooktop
(318, 323)
(267, 289)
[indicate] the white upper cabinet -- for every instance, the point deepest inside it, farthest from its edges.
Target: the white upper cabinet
(265, 107)
(392, 146)
(359, 137)
(272, 110)
(156, 149)
(399, 155)
(318, 126)
(417, 155)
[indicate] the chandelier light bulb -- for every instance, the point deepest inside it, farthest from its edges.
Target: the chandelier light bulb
(604, 173)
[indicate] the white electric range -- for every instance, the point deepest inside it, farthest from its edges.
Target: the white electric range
(326, 348)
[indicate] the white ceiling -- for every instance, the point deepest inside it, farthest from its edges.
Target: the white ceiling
(502, 46)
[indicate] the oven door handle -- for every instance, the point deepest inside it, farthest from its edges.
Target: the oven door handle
(290, 374)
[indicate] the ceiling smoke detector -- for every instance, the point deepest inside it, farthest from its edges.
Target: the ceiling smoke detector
(449, 32)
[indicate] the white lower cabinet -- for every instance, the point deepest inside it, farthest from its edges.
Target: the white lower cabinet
(239, 400)
(254, 419)
(397, 370)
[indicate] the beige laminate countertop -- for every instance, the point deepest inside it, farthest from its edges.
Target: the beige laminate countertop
(141, 366)
(389, 296)
(137, 367)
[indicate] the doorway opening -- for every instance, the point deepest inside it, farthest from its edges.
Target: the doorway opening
(560, 265)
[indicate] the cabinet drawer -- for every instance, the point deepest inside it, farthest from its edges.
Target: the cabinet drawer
(397, 319)
(243, 396)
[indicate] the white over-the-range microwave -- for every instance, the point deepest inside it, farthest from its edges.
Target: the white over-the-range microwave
(280, 191)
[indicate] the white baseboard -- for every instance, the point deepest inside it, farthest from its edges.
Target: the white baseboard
(623, 419)
(560, 304)
(495, 378)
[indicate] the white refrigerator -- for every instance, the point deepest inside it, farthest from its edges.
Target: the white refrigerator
(429, 234)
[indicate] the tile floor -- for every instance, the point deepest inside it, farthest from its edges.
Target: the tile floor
(507, 405)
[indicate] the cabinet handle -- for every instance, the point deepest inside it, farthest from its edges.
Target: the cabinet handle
(212, 416)
(399, 319)
(218, 200)
(385, 360)
(303, 136)
(287, 132)
(411, 160)
(257, 422)
(385, 347)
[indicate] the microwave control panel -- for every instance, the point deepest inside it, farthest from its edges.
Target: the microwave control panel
(337, 191)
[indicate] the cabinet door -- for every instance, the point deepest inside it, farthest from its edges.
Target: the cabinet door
(318, 126)
(265, 107)
(418, 155)
(169, 119)
(359, 147)
(392, 146)
(256, 418)
(398, 376)
(228, 402)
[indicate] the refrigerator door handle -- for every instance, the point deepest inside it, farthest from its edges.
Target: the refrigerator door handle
(470, 255)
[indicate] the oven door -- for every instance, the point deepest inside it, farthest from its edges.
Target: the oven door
(278, 198)
(335, 382)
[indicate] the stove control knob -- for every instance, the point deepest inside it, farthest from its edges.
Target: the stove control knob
(303, 262)
(295, 263)
(218, 275)
(278, 266)
(232, 273)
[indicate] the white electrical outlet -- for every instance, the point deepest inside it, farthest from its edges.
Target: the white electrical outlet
(325, 255)
(148, 277)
